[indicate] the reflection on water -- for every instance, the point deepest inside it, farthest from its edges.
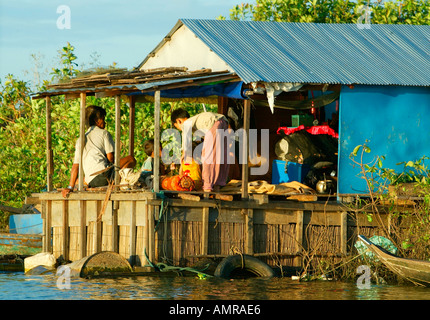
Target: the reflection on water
(18, 286)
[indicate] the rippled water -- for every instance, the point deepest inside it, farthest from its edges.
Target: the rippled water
(18, 286)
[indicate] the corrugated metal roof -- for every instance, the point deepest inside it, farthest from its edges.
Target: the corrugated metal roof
(319, 53)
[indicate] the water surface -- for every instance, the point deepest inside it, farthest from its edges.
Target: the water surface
(18, 286)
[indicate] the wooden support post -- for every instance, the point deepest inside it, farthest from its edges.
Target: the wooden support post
(83, 98)
(299, 238)
(205, 231)
(49, 154)
(83, 228)
(131, 125)
(115, 205)
(248, 214)
(222, 105)
(132, 258)
(65, 247)
(156, 181)
(117, 138)
(157, 106)
(343, 232)
(47, 223)
(245, 149)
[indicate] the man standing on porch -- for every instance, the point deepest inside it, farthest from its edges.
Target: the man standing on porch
(215, 166)
(98, 152)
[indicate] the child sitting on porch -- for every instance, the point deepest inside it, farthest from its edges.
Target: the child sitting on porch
(214, 171)
(148, 166)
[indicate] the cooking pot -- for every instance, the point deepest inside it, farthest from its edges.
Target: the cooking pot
(324, 186)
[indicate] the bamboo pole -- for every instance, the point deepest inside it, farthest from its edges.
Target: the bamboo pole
(83, 97)
(49, 155)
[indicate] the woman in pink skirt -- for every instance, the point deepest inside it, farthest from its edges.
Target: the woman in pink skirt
(215, 151)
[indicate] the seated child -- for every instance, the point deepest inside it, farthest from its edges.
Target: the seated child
(148, 165)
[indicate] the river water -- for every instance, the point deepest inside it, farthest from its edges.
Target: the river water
(18, 286)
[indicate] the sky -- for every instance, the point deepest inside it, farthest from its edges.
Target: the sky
(102, 32)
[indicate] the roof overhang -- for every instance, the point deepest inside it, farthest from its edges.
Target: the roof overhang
(105, 86)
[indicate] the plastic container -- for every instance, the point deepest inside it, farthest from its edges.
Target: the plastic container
(283, 171)
(302, 119)
(44, 259)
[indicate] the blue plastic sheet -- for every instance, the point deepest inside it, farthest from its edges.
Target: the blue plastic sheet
(231, 90)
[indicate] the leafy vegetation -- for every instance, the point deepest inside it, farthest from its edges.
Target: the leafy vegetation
(23, 135)
(334, 11)
(405, 195)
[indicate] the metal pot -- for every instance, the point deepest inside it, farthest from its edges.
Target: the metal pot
(324, 186)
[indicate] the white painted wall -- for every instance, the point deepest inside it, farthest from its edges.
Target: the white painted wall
(185, 50)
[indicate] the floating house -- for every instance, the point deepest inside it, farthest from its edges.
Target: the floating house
(337, 80)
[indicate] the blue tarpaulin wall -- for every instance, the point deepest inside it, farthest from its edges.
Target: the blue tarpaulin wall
(395, 120)
(231, 90)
